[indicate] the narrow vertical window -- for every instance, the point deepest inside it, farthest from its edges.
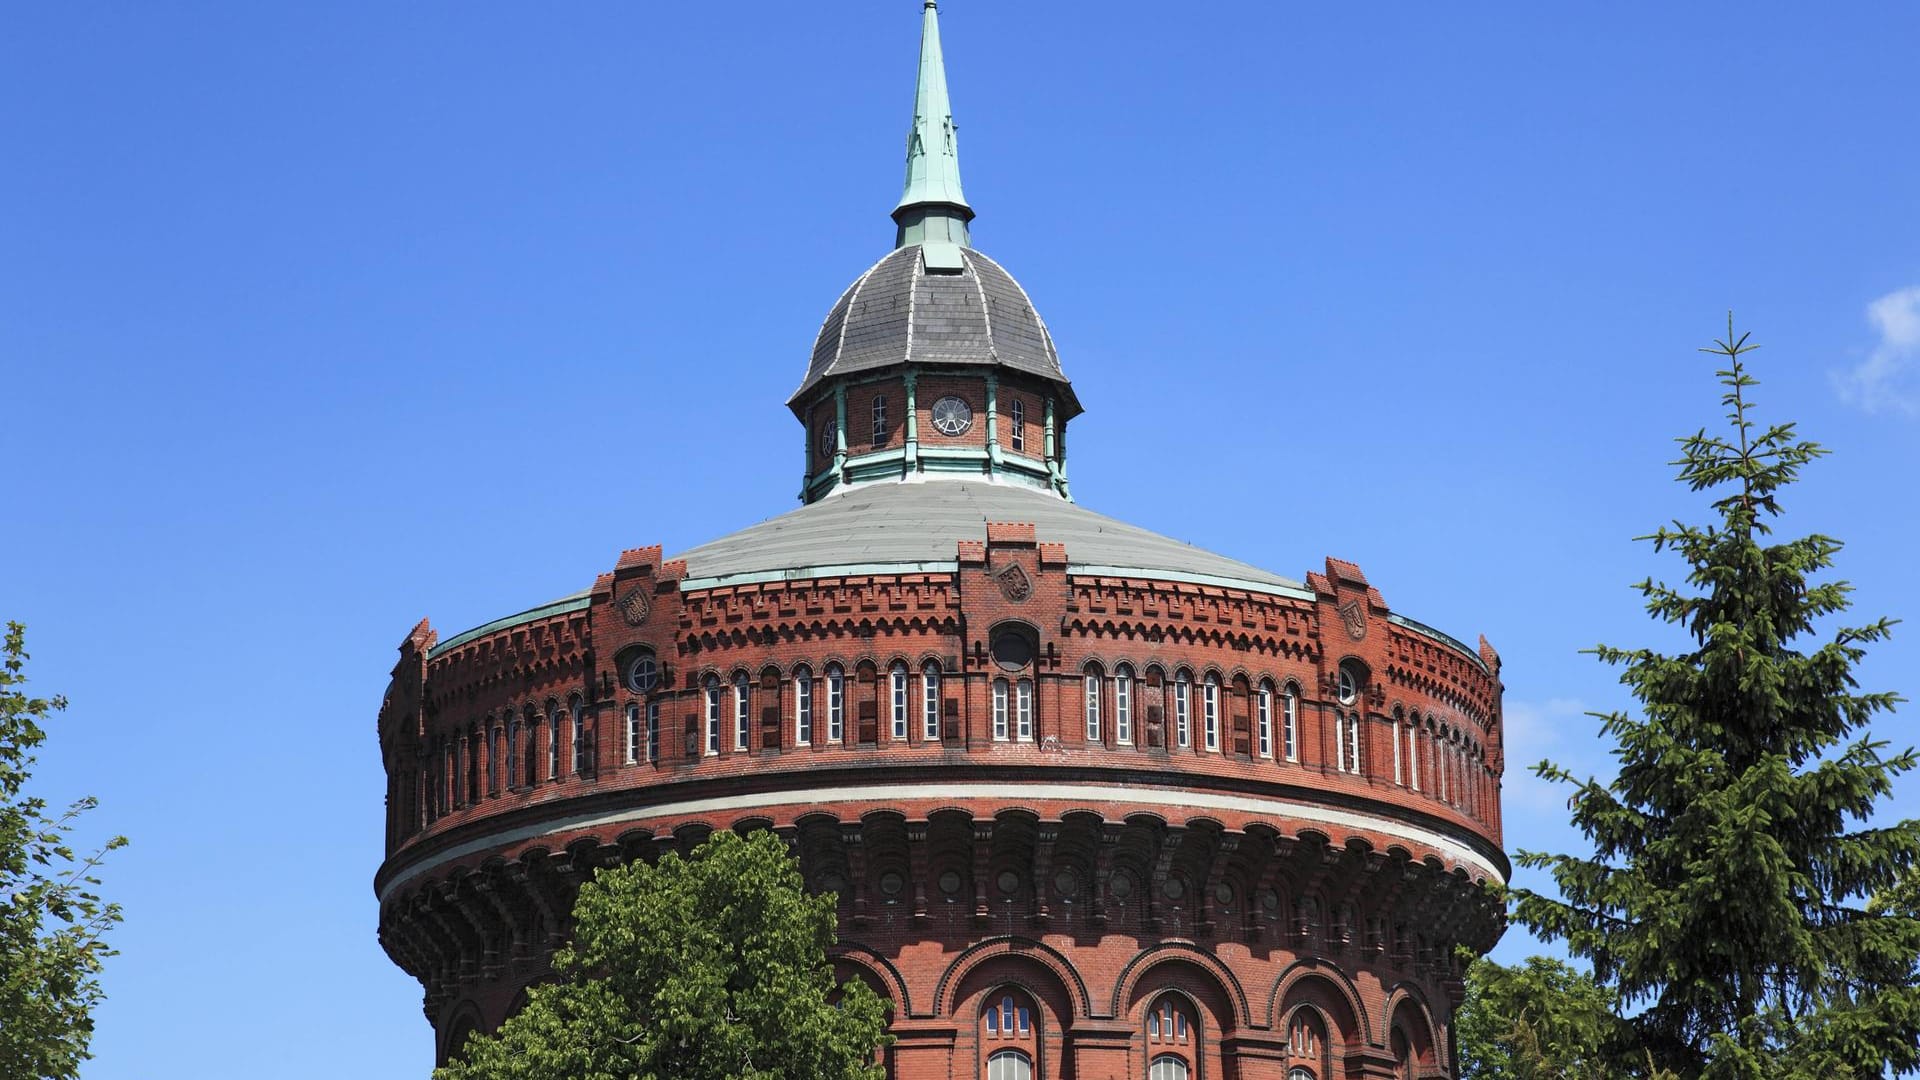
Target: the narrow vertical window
(555, 732)
(493, 776)
(1210, 711)
(1353, 743)
(802, 707)
(577, 734)
(513, 753)
(879, 419)
(1264, 729)
(1019, 425)
(713, 715)
(836, 705)
(930, 702)
(1290, 724)
(653, 731)
(1399, 775)
(1023, 712)
(533, 746)
(1413, 753)
(1092, 685)
(1000, 709)
(1182, 721)
(897, 698)
(742, 708)
(1123, 706)
(633, 734)
(1339, 741)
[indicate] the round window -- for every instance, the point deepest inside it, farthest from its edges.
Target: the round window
(1174, 889)
(950, 882)
(1012, 649)
(952, 416)
(643, 674)
(1223, 894)
(1349, 688)
(891, 883)
(1066, 882)
(828, 441)
(1121, 886)
(1009, 882)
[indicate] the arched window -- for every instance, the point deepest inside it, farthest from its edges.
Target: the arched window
(1123, 705)
(1298, 1073)
(653, 731)
(556, 731)
(1000, 709)
(1009, 1065)
(897, 699)
(1091, 690)
(1399, 773)
(577, 737)
(1167, 1067)
(1182, 720)
(1023, 710)
(1019, 426)
(1290, 723)
(802, 706)
(742, 710)
(513, 752)
(1307, 1049)
(836, 704)
(1413, 751)
(879, 419)
(1263, 730)
(1009, 1035)
(632, 743)
(533, 745)
(1210, 710)
(930, 701)
(713, 714)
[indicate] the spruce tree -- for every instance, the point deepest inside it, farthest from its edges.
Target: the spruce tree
(1731, 900)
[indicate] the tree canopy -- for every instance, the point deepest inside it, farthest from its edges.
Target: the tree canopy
(51, 921)
(1740, 902)
(692, 968)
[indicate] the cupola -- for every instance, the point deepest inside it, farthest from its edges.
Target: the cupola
(934, 364)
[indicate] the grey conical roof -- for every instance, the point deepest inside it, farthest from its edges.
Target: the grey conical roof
(899, 312)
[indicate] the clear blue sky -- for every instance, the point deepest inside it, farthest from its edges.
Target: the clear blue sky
(316, 320)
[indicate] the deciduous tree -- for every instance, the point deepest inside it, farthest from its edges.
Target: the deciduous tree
(708, 967)
(52, 923)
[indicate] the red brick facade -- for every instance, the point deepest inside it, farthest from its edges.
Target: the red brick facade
(983, 854)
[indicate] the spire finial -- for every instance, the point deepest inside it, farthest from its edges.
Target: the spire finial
(932, 209)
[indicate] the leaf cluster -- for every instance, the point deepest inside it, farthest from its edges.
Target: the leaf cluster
(52, 921)
(692, 968)
(1727, 896)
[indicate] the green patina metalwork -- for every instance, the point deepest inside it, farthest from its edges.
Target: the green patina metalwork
(933, 210)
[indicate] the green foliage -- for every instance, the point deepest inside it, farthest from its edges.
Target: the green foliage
(705, 967)
(1728, 897)
(51, 922)
(1542, 1020)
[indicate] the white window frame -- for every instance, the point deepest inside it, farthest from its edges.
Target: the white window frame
(513, 752)
(897, 699)
(1123, 705)
(1000, 691)
(577, 737)
(1018, 414)
(713, 715)
(1264, 730)
(879, 419)
(742, 711)
(1182, 714)
(1413, 752)
(1092, 685)
(803, 707)
(653, 731)
(1399, 773)
(553, 743)
(1210, 712)
(1353, 744)
(1290, 723)
(930, 701)
(836, 704)
(633, 733)
(1023, 710)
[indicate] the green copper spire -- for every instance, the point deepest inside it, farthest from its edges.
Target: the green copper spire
(932, 210)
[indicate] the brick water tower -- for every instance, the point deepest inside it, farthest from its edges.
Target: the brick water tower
(1096, 803)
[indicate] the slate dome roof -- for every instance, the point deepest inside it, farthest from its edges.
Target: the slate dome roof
(899, 311)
